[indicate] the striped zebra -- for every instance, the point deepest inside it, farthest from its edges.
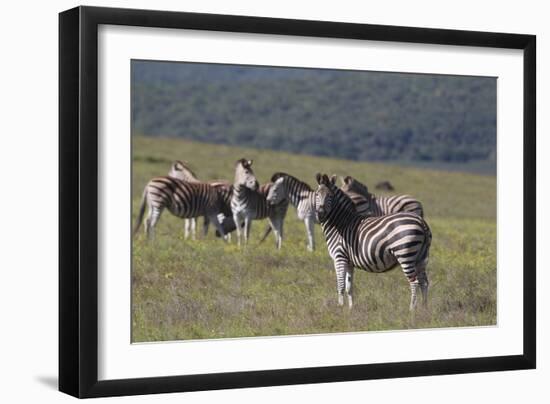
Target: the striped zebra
(182, 171)
(228, 223)
(371, 205)
(248, 203)
(301, 196)
(374, 244)
(225, 217)
(183, 199)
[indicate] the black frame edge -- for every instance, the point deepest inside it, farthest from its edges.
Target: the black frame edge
(219, 381)
(529, 200)
(308, 28)
(78, 192)
(88, 220)
(69, 79)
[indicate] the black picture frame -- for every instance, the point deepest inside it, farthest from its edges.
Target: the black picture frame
(78, 201)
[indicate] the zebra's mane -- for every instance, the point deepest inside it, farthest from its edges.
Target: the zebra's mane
(345, 211)
(342, 197)
(278, 175)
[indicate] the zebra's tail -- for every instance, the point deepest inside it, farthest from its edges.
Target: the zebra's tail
(267, 231)
(141, 211)
(423, 256)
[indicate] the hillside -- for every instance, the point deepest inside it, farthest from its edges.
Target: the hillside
(362, 116)
(185, 289)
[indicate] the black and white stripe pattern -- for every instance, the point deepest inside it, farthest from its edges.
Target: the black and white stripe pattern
(300, 195)
(248, 203)
(374, 244)
(368, 204)
(181, 198)
(182, 171)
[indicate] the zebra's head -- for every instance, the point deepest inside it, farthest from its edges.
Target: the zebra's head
(324, 196)
(350, 184)
(277, 191)
(181, 171)
(244, 175)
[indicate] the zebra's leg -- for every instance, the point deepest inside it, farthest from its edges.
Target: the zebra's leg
(237, 220)
(422, 277)
(186, 228)
(310, 226)
(277, 227)
(205, 226)
(342, 267)
(349, 285)
(410, 268)
(193, 228)
(414, 291)
(246, 230)
(151, 221)
(280, 222)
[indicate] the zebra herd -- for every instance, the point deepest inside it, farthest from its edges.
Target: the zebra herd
(373, 233)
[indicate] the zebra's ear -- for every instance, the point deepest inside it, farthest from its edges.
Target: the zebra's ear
(333, 179)
(249, 162)
(178, 165)
(347, 179)
(318, 177)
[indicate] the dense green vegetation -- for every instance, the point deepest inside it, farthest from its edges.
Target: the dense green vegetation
(353, 115)
(184, 289)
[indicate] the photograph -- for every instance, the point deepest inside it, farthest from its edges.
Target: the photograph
(272, 201)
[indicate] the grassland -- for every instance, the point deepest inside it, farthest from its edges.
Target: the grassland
(185, 289)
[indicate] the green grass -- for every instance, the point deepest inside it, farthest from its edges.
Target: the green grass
(184, 289)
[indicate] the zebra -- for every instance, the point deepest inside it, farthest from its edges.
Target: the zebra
(182, 171)
(181, 198)
(228, 223)
(248, 203)
(225, 217)
(372, 205)
(301, 196)
(374, 244)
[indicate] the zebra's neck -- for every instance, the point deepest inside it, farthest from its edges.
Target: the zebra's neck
(297, 191)
(343, 214)
(239, 191)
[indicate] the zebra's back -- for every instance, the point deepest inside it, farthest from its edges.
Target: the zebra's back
(384, 205)
(362, 204)
(183, 199)
(377, 244)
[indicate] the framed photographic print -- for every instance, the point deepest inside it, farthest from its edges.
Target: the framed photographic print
(251, 201)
